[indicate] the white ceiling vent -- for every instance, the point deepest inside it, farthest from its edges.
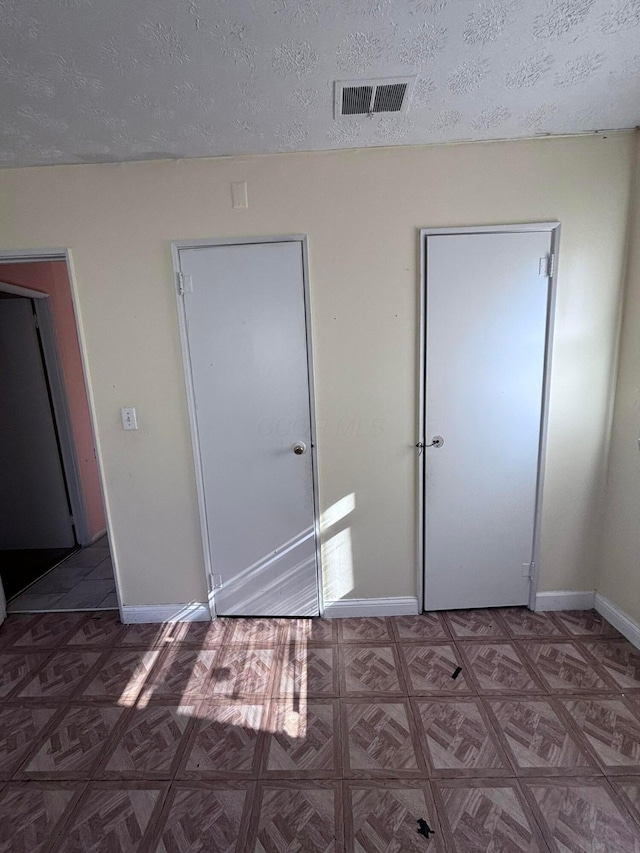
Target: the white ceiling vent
(371, 97)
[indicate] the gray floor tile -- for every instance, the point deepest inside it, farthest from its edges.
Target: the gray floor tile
(88, 557)
(83, 581)
(86, 594)
(60, 580)
(102, 572)
(27, 602)
(110, 601)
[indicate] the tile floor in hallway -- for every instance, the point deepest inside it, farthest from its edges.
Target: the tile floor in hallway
(318, 737)
(84, 581)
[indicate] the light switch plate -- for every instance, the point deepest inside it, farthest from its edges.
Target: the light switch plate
(129, 418)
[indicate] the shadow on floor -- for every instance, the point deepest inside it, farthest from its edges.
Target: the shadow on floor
(83, 581)
(20, 568)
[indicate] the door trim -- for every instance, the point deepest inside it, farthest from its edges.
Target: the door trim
(64, 254)
(181, 245)
(554, 229)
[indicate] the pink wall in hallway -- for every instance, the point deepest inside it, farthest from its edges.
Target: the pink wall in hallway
(51, 277)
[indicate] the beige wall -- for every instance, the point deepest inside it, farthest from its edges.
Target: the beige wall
(619, 576)
(362, 211)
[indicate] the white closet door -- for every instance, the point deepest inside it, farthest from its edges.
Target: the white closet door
(486, 326)
(247, 338)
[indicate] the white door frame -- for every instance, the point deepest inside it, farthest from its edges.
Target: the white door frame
(176, 247)
(58, 393)
(554, 229)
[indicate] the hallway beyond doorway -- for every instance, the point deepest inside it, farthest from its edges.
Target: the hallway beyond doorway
(84, 581)
(20, 568)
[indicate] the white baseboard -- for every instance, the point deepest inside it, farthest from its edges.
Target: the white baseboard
(348, 607)
(627, 626)
(166, 613)
(563, 599)
(98, 535)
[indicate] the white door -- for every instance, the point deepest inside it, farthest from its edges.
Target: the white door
(247, 340)
(34, 507)
(486, 321)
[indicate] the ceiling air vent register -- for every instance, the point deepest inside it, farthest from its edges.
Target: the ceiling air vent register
(372, 97)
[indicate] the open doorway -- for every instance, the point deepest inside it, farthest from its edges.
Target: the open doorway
(54, 552)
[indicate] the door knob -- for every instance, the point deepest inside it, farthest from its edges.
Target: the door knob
(299, 448)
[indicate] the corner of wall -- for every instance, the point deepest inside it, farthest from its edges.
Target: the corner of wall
(619, 552)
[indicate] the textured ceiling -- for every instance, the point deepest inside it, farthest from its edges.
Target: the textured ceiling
(110, 80)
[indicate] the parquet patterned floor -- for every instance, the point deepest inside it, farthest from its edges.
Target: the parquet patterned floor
(503, 730)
